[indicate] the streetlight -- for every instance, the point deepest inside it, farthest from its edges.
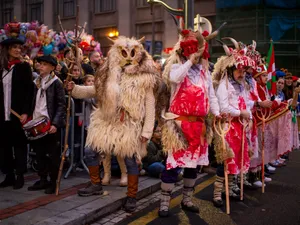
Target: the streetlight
(187, 12)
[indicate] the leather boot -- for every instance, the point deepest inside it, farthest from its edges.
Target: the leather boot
(123, 180)
(19, 182)
(107, 170)
(130, 204)
(218, 187)
(188, 191)
(94, 187)
(43, 183)
(51, 188)
(166, 189)
(8, 181)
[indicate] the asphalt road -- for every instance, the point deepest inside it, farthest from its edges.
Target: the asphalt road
(279, 205)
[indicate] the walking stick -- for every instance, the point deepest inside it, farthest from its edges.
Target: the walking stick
(265, 115)
(245, 123)
(222, 131)
(73, 61)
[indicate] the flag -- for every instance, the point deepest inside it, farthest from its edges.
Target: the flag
(271, 70)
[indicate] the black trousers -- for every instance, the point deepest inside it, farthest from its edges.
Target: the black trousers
(48, 153)
(13, 149)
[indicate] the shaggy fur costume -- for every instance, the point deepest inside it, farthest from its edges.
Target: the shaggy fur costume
(126, 104)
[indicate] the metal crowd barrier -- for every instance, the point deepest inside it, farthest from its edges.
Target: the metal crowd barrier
(73, 165)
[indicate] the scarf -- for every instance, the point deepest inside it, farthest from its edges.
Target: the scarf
(11, 63)
(42, 87)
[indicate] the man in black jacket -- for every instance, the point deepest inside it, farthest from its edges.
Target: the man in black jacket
(16, 91)
(49, 101)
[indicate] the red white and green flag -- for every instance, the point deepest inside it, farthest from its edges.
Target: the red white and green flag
(271, 70)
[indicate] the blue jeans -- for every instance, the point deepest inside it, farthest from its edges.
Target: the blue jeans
(155, 169)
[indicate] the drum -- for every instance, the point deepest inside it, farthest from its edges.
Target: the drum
(37, 128)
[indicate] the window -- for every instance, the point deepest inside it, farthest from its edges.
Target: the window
(7, 11)
(105, 6)
(68, 8)
(142, 3)
(35, 10)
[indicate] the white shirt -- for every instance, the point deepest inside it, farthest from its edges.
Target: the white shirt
(40, 109)
(7, 80)
(180, 71)
(228, 99)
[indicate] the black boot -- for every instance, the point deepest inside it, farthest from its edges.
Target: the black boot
(51, 188)
(8, 181)
(91, 189)
(43, 183)
(130, 204)
(19, 182)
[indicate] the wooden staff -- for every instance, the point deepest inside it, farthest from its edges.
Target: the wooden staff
(221, 130)
(74, 61)
(245, 123)
(265, 115)
(15, 114)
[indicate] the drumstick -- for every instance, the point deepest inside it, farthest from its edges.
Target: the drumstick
(16, 114)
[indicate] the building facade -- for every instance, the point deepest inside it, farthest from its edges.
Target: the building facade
(107, 18)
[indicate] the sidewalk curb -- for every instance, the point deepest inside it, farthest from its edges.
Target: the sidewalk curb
(95, 210)
(100, 207)
(120, 216)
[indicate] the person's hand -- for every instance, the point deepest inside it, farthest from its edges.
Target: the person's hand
(138, 162)
(223, 117)
(294, 105)
(143, 139)
(69, 85)
(23, 118)
(265, 104)
(250, 125)
(297, 90)
(194, 58)
(245, 114)
(52, 130)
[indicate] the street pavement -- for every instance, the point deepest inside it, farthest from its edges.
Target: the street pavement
(22, 207)
(279, 205)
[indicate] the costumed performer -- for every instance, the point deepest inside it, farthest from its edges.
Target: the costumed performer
(183, 134)
(233, 96)
(124, 118)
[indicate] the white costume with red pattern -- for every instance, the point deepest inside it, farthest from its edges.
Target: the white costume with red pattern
(192, 94)
(232, 100)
